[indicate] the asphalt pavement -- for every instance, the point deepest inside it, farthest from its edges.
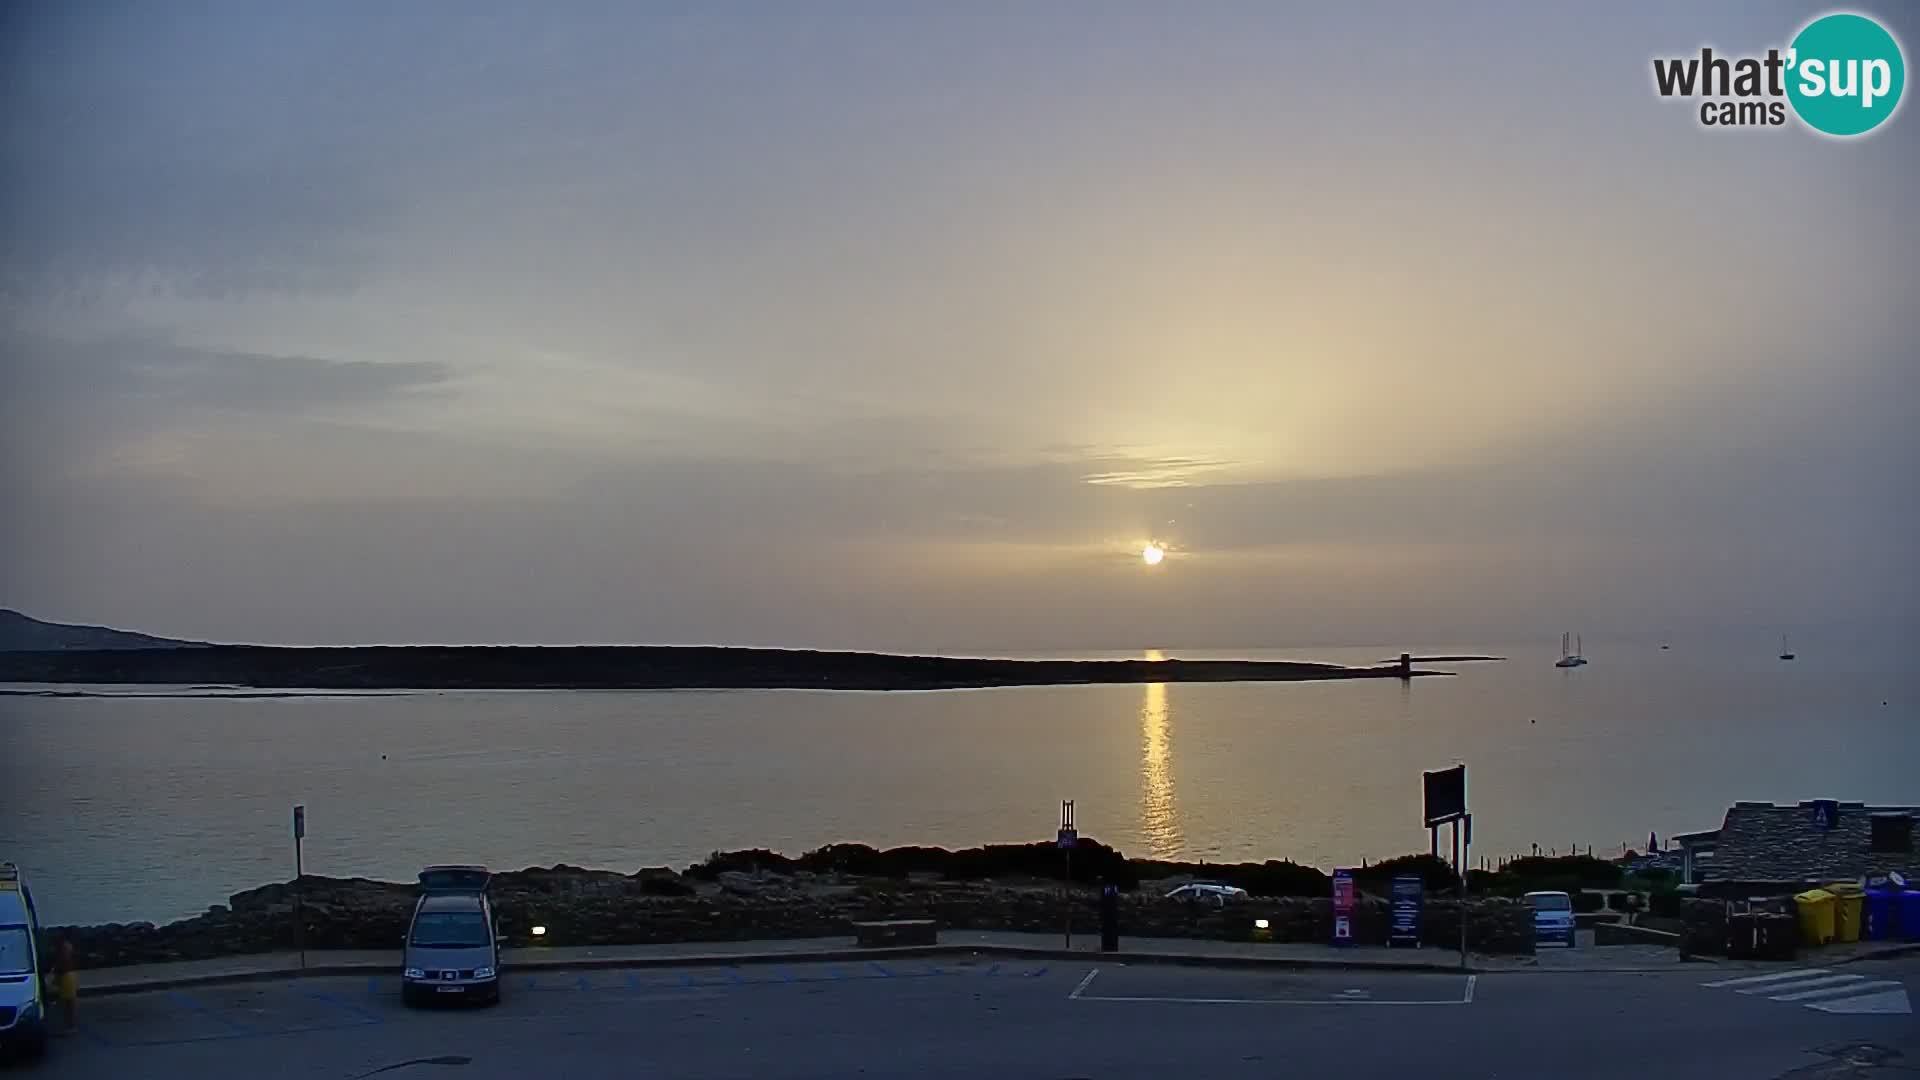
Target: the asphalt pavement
(1098, 1018)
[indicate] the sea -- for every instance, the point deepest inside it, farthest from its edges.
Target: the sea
(128, 803)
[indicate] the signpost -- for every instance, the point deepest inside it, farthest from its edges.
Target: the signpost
(1444, 798)
(1408, 895)
(1067, 838)
(299, 871)
(1343, 907)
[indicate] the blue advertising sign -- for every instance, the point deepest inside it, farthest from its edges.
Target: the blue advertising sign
(1404, 931)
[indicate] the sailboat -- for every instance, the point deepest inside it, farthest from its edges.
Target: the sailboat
(1570, 659)
(1785, 653)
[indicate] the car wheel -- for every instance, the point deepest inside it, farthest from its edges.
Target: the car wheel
(409, 998)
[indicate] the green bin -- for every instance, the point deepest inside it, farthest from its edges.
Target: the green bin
(1849, 900)
(1816, 916)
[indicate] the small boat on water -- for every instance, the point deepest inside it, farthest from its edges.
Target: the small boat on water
(1785, 653)
(1570, 659)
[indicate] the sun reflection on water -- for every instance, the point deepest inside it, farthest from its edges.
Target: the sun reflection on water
(1159, 817)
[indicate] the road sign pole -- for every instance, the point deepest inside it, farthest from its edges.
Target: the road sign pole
(1068, 838)
(299, 872)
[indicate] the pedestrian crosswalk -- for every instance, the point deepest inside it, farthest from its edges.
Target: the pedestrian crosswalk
(1827, 991)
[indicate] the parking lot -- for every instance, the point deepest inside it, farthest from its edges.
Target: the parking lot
(956, 1017)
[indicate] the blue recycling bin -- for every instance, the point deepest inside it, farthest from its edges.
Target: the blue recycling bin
(1881, 906)
(1907, 918)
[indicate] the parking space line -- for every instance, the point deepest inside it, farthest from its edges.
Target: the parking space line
(884, 973)
(1084, 983)
(210, 1014)
(1035, 973)
(992, 970)
(1348, 998)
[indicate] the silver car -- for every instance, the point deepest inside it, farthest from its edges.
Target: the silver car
(452, 948)
(1207, 892)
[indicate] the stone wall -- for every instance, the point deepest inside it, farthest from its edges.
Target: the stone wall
(580, 907)
(1703, 928)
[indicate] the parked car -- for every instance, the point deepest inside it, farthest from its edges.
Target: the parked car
(23, 1001)
(1552, 918)
(1204, 892)
(452, 948)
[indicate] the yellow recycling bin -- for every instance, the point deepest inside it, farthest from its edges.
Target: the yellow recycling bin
(1848, 900)
(1816, 916)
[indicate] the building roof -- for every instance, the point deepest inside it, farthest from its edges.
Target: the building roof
(1767, 842)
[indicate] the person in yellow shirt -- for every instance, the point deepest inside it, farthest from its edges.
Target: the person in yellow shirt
(66, 984)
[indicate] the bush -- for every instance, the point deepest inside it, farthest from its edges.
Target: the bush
(1436, 874)
(1584, 870)
(1275, 878)
(750, 861)
(1586, 901)
(665, 886)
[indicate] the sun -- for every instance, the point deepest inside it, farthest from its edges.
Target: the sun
(1152, 554)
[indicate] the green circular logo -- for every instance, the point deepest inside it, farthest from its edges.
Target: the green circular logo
(1845, 74)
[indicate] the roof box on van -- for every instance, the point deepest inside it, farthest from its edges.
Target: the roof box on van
(454, 879)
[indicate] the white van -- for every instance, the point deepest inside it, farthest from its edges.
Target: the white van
(23, 1007)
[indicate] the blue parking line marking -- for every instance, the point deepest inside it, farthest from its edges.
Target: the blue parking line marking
(993, 970)
(884, 973)
(364, 1015)
(686, 979)
(530, 984)
(835, 973)
(734, 976)
(585, 983)
(633, 981)
(210, 1014)
(1036, 973)
(373, 985)
(783, 974)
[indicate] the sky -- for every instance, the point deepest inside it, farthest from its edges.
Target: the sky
(905, 327)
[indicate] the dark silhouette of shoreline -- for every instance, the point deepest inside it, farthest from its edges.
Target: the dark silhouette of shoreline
(623, 667)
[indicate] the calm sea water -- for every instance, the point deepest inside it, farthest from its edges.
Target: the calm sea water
(152, 807)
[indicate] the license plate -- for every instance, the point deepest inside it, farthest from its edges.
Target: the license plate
(450, 989)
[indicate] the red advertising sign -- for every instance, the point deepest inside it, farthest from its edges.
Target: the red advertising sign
(1343, 904)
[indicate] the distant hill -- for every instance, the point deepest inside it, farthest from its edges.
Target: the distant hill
(20, 633)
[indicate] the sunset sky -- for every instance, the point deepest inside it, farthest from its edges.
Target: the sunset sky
(728, 323)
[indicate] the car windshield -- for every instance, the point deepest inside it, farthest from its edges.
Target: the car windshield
(449, 930)
(1551, 903)
(16, 951)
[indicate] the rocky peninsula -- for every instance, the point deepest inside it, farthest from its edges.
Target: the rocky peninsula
(622, 667)
(758, 895)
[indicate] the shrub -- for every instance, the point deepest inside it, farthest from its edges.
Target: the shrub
(665, 886)
(1436, 874)
(1586, 901)
(1584, 870)
(1275, 878)
(748, 861)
